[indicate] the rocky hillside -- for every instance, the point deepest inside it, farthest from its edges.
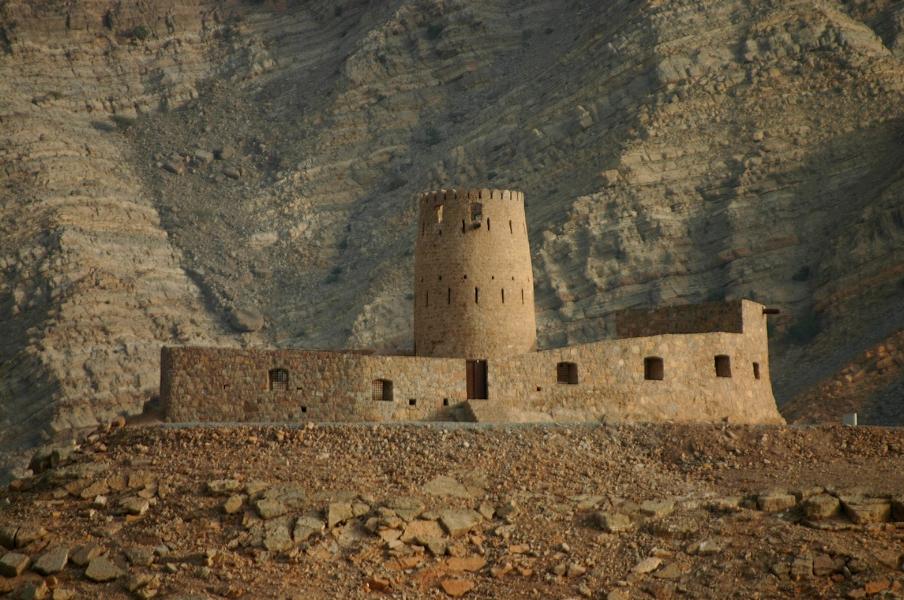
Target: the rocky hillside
(227, 172)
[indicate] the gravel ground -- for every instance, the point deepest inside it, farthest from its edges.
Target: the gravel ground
(336, 511)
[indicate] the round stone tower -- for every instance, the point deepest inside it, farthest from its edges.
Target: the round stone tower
(474, 292)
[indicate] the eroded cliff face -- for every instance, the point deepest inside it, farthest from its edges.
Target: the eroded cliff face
(244, 173)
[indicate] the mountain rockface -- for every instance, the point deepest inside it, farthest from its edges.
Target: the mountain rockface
(224, 172)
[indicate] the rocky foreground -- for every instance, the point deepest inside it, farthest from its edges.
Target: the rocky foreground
(424, 511)
(244, 173)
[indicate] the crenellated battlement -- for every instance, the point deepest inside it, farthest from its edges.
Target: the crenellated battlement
(470, 194)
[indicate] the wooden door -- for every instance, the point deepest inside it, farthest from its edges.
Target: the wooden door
(476, 371)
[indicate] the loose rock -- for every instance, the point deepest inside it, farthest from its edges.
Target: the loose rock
(13, 564)
(52, 561)
(459, 522)
(102, 569)
(613, 522)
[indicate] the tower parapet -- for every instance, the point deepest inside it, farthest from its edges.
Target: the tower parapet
(474, 292)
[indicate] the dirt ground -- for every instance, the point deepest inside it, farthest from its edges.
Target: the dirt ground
(333, 511)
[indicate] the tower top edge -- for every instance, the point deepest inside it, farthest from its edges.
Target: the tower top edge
(471, 194)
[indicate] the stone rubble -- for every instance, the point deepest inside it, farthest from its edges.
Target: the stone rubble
(511, 534)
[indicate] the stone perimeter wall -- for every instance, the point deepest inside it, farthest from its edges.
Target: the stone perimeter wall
(474, 290)
(223, 384)
(208, 384)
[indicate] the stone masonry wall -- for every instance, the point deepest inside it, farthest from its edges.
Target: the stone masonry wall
(206, 384)
(473, 281)
(691, 318)
(219, 384)
(611, 384)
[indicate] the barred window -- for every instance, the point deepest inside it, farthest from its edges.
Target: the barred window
(279, 379)
(381, 390)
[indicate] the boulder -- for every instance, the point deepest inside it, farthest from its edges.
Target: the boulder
(233, 504)
(657, 508)
(867, 510)
(306, 527)
(102, 569)
(276, 536)
(613, 522)
(406, 507)
(647, 565)
(84, 554)
(471, 564)
(223, 486)
(775, 501)
(270, 509)
(422, 532)
(134, 505)
(13, 564)
(8, 537)
(446, 487)
(458, 522)
(52, 561)
(140, 556)
(456, 587)
(339, 512)
(821, 506)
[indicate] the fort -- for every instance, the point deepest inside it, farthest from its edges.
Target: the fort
(475, 349)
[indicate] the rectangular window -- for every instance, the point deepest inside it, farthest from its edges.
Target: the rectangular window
(723, 365)
(476, 295)
(278, 379)
(756, 370)
(503, 295)
(653, 368)
(476, 211)
(567, 372)
(381, 390)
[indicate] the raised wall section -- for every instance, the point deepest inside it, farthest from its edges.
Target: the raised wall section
(691, 318)
(612, 386)
(474, 290)
(207, 384)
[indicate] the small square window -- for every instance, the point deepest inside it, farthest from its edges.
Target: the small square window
(278, 379)
(567, 372)
(382, 390)
(412, 402)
